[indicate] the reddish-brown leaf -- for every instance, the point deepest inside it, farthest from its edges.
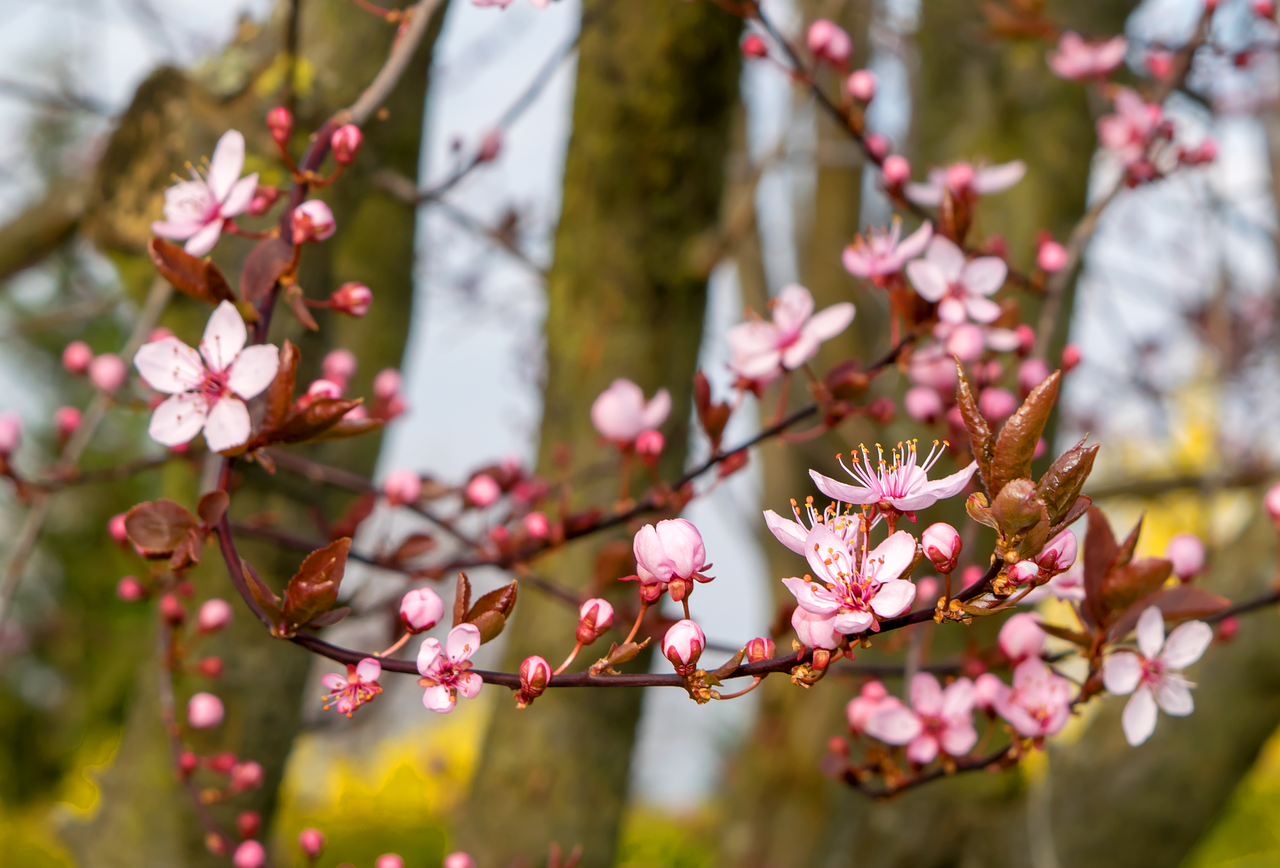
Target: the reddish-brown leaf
(1178, 603)
(1132, 581)
(980, 440)
(1014, 447)
(415, 546)
(299, 308)
(157, 528)
(314, 588)
(303, 425)
(212, 506)
(270, 260)
(356, 513)
(280, 392)
(1099, 553)
(461, 599)
(196, 277)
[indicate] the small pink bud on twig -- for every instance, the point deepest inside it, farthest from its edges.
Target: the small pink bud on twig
(130, 589)
(352, 298)
(386, 385)
(312, 221)
(108, 372)
(421, 609)
(483, 491)
(1071, 357)
(247, 775)
(649, 446)
(683, 645)
(760, 648)
(204, 711)
(214, 615)
(346, 143)
(66, 420)
(1186, 552)
(76, 357)
(116, 528)
(263, 198)
(280, 123)
(537, 526)
(210, 667)
(862, 85)
(402, 487)
(535, 673)
(1051, 257)
(339, 366)
(595, 616)
(312, 842)
(754, 47)
(250, 854)
(248, 824)
(172, 610)
(389, 860)
(187, 763)
(490, 146)
(922, 404)
(830, 43)
(458, 860)
(897, 170)
(941, 544)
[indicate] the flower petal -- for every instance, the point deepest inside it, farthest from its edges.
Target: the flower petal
(914, 244)
(897, 725)
(226, 163)
(923, 749)
(893, 598)
(429, 657)
(253, 370)
(469, 684)
(926, 694)
(169, 366)
(227, 425)
(176, 230)
(334, 681)
(928, 195)
(829, 322)
(984, 275)
(1121, 672)
(948, 258)
(812, 598)
(224, 337)
(204, 238)
(959, 738)
(1173, 695)
(842, 491)
(791, 308)
(994, 179)
(982, 310)
(928, 279)
(462, 641)
(656, 411)
(369, 670)
(178, 419)
(828, 555)
(790, 533)
(240, 196)
(958, 700)
(891, 558)
(949, 486)
(1186, 643)
(1139, 718)
(1151, 632)
(439, 699)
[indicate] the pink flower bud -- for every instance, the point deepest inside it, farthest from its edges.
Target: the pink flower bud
(204, 711)
(250, 854)
(130, 589)
(1071, 357)
(352, 298)
(386, 385)
(1058, 554)
(346, 143)
(311, 841)
(1021, 637)
(760, 648)
(421, 609)
(213, 615)
(490, 146)
(187, 763)
(210, 667)
(595, 616)
(402, 487)
(248, 824)
(116, 528)
(66, 420)
(922, 404)
(280, 123)
(247, 776)
(172, 610)
(1160, 64)
(76, 357)
(1228, 628)
(683, 645)
(389, 860)
(1263, 8)
(959, 177)
(1186, 552)
(483, 491)
(830, 43)
(537, 526)
(1031, 373)
(312, 221)
(941, 544)
(966, 342)
(649, 445)
(108, 372)
(997, 404)
(877, 145)
(223, 763)
(897, 170)
(339, 366)
(535, 673)
(324, 389)
(753, 46)
(1051, 257)
(1272, 503)
(263, 198)
(1026, 338)
(10, 433)
(1023, 572)
(458, 860)
(862, 85)
(987, 688)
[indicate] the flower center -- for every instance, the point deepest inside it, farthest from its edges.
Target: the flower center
(214, 386)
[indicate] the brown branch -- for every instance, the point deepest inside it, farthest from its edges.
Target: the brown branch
(1241, 478)
(966, 764)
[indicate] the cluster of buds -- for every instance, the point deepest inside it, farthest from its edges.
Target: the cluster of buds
(106, 371)
(669, 557)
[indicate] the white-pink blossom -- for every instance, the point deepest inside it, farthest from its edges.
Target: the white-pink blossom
(1039, 702)
(1077, 59)
(963, 180)
(880, 253)
(792, 534)
(1186, 552)
(670, 552)
(1021, 637)
(214, 614)
(871, 699)
(208, 388)
(898, 485)
(1128, 132)
(358, 687)
(196, 210)
(939, 720)
(446, 671)
(762, 350)
(923, 404)
(620, 413)
(961, 288)
(421, 609)
(1153, 674)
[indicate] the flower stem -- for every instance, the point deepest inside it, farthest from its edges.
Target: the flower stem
(399, 643)
(635, 628)
(565, 665)
(755, 682)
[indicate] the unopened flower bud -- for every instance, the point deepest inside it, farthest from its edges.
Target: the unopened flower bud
(830, 43)
(210, 667)
(386, 385)
(130, 589)
(760, 648)
(535, 673)
(389, 860)
(1031, 373)
(897, 170)
(116, 529)
(187, 763)
(1026, 338)
(108, 372)
(959, 177)
(683, 645)
(862, 85)
(346, 143)
(250, 854)
(1186, 552)
(248, 824)
(941, 544)
(320, 389)
(402, 487)
(10, 433)
(649, 445)
(1051, 257)
(311, 841)
(339, 366)
(1272, 503)
(214, 615)
(247, 776)
(421, 609)
(280, 123)
(537, 526)
(881, 410)
(1058, 554)
(483, 491)
(223, 763)
(76, 357)
(490, 146)
(1228, 628)
(595, 616)
(172, 610)
(1021, 637)
(877, 145)
(1263, 8)
(312, 221)
(352, 298)
(204, 711)
(1023, 572)
(66, 420)
(754, 47)
(458, 860)
(997, 404)
(922, 404)
(1071, 356)
(263, 198)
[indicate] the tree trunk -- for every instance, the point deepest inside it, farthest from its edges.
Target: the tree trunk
(657, 84)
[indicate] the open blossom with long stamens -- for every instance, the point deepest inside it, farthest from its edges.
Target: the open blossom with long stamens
(897, 485)
(1154, 673)
(880, 253)
(792, 534)
(196, 210)
(1076, 59)
(961, 288)
(762, 351)
(360, 686)
(938, 720)
(209, 388)
(965, 181)
(446, 671)
(854, 588)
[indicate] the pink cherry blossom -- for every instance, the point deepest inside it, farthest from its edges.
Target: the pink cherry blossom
(899, 485)
(461, 859)
(209, 387)
(324, 389)
(961, 288)
(421, 609)
(792, 534)
(829, 42)
(446, 671)
(249, 854)
(996, 404)
(896, 169)
(1039, 702)
(360, 686)
(967, 341)
(1021, 637)
(964, 181)
(854, 588)
(196, 210)
(482, 490)
(1032, 373)
(312, 221)
(932, 366)
(762, 351)
(1153, 674)
(872, 699)
(1076, 60)
(1128, 132)
(346, 143)
(402, 487)
(1051, 257)
(986, 688)
(1186, 551)
(940, 543)
(66, 420)
(939, 720)
(620, 413)
(669, 554)
(922, 404)
(879, 253)
(204, 711)
(683, 644)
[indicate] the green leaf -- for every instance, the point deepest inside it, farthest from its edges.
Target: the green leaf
(980, 442)
(1011, 457)
(1061, 483)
